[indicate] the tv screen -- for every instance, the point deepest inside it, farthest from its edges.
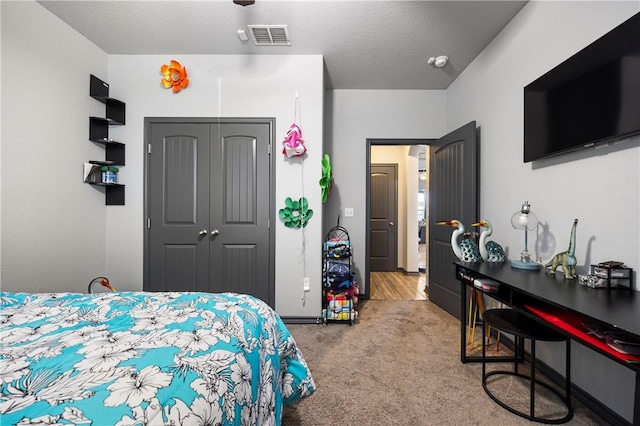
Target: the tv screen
(592, 97)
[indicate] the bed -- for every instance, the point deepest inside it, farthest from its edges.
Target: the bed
(135, 358)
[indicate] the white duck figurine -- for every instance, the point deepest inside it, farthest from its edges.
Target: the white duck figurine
(489, 250)
(467, 250)
(102, 281)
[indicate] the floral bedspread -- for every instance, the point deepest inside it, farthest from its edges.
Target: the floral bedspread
(146, 359)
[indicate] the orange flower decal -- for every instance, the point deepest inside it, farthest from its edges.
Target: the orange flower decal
(175, 76)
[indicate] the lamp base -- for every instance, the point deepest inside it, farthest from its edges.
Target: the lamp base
(532, 266)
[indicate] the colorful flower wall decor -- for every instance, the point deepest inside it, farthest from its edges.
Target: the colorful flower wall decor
(174, 76)
(296, 214)
(293, 144)
(326, 182)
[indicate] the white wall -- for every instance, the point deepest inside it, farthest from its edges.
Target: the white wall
(53, 224)
(560, 189)
(225, 86)
(353, 116)
(600, 189)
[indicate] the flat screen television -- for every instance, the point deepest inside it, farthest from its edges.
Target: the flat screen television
(591, 98)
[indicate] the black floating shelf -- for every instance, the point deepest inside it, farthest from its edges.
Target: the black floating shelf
(114, 193)
(99, 133)
(98, 129)
(98, 89)
(114, 151)
(105, 163)
(115, 109)
(105, 184)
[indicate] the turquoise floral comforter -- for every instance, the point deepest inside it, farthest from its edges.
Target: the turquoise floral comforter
(146, 359)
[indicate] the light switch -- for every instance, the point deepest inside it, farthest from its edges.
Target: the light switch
(348, 212)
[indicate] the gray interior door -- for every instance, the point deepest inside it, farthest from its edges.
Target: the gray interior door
(239, 258)
(383, 206)
(178, 207)
(208, 200)
(453, 189)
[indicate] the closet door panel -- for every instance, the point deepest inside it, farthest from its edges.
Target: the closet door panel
(178, 206)
(240, 209)
(239, 268)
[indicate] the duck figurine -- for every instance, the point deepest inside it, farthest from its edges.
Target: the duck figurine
(104, 281)
(467, 250)
(489, 250)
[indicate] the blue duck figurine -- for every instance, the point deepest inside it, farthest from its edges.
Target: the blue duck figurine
(467, 250)
(489, 250)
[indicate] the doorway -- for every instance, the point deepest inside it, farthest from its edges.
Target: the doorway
(453, 193)
(406, 279)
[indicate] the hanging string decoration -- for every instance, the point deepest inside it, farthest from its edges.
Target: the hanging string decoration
(296, 214)
(174, 76)
(293, 144)
(326, 182)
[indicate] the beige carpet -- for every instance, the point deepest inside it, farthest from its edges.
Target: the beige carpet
(400, 365)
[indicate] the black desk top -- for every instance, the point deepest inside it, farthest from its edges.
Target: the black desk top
(620, 308)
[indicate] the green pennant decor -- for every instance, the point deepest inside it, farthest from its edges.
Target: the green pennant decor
(326, 182)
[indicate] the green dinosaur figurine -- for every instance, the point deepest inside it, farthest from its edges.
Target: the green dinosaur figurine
(566, 259)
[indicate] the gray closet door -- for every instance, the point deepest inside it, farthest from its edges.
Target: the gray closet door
(209, 201)
(383, 211)
(239, 258)
(178, 207)
(453, 188)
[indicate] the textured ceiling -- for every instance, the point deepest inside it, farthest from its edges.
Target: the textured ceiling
(366, 44)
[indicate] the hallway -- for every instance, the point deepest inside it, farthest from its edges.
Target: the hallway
(399, 285)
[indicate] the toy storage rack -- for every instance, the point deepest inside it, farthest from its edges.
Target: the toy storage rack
(338, 287)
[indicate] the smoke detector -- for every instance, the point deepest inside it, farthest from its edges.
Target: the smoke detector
(242, 35)
(439, 61)
(270, 35)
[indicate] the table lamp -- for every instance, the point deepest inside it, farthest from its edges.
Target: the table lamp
(527, 220)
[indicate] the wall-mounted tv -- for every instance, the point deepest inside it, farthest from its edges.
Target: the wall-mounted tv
(593, 97)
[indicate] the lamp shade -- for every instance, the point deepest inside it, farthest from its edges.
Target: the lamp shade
(524, 218)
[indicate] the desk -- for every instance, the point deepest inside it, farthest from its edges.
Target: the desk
(563, 304)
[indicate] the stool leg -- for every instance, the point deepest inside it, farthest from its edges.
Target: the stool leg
(516, 345)
(470, 315)
(473, 315)
(484, 353)
(533, 377)
(567, 374)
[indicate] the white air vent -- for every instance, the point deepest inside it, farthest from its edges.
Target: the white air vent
(270, 35)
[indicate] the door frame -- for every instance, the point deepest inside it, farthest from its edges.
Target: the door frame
(370, 143)
(148, 121)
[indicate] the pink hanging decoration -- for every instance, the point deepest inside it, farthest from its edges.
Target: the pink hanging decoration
(293, 144)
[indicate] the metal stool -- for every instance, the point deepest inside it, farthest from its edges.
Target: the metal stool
(523, 327)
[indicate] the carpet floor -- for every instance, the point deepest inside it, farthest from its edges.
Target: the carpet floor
(400, 365)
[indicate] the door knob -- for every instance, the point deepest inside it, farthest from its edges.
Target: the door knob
(203, 232)
(214, 232)
(390, 223)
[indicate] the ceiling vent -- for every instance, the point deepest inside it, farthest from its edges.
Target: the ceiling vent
(270, 35)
